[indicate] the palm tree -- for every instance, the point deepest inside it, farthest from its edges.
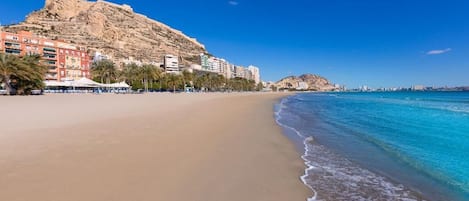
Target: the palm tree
(37, 71)
(24, 73)
(104, 70)
(218, 82)
(173, 81)
(128, 73)
(202, 81)
(7, 68)
(149, 73)
(259, 86)
(188, 78)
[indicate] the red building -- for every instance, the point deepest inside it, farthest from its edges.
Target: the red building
(65, 61)
(73, 63)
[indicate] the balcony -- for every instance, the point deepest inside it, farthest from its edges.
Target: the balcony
(51, 76)
(12, 51)
(13, 46)
(52, 71)
(51, 51)
(53, 58)
(50, 63)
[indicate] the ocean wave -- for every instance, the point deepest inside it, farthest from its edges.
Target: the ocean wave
(304, 178)
(332, 177)
(336, 178)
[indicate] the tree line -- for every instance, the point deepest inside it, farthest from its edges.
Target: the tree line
(23, 74)
(152, 78)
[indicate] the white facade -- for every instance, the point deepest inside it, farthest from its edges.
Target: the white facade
(196, 67)
(418, 88)
(302, 86)
(214, 64)
(248, 74)
(204, 62)
(99, 57)
(225, 68)
(171, 64)
(229, 72)
(364, 88)
(256, 76)
(239, 72)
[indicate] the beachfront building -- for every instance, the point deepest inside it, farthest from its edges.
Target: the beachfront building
(228, 70)
(64, 61)
(302, 86)
(239, 72)
(255, 73)
(74, 63)
(214, 64)
(418, 88)
(98, 56)
(204, 62)
(171, 64)
(248, 74)
(196, 67)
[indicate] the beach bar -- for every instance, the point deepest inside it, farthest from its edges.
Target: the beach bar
(84, 85)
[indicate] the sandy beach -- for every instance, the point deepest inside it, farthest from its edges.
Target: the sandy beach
(171, 147)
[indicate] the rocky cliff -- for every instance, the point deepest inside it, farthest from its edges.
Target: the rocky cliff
(111, 29)
(305, 82)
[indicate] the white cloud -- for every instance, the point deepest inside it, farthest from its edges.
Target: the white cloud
(233, 3)
(435, 52)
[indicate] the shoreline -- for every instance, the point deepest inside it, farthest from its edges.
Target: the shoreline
(319, 158)
(165, 147)
(306, 144)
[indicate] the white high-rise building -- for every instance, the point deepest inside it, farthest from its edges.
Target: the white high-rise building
(171, 64)
(255, 73)
(248, 74)
(229, 73)
(214, 64)
(204, 62)
(239, 72)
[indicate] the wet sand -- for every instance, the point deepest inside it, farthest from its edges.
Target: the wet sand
(171, 147)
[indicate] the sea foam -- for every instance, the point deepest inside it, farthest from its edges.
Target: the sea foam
(333, 177)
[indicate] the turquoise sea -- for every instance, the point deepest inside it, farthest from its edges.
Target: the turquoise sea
(381, 146)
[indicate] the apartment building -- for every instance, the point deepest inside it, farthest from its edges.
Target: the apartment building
(255, 73)
(64, 61)
(171, 64)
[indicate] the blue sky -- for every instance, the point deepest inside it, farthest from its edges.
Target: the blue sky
(381, 43)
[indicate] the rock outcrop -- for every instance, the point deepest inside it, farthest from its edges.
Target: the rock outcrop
(305, 82)
(110, 29)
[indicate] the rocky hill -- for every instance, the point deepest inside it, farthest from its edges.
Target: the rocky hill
(110, 29)
(305, 82)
